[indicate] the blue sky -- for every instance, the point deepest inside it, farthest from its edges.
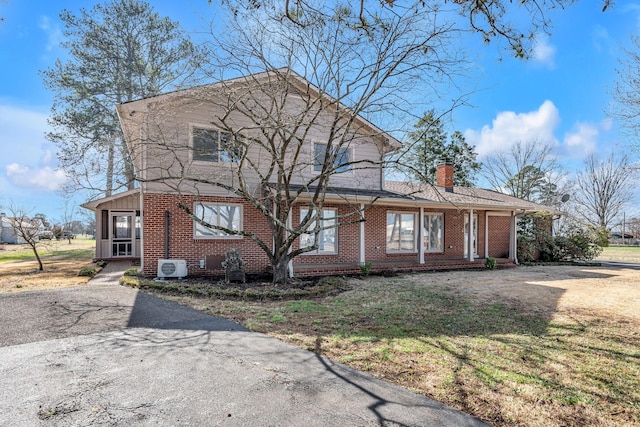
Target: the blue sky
(561, 95)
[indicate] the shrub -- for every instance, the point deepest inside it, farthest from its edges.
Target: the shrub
(87, 271)
(491, 263)
(365, 269)
(575, 242)
(131, 272)
(130, 281)
(578, 243)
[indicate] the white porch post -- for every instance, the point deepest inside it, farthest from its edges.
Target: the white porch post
(486, 234)
(470, 237)
(421, 236)
(513, 245)
(141, 231)
(362, 256)
(289, 226)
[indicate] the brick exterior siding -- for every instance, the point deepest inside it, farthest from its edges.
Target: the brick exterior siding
(500, 232)
(183, 245)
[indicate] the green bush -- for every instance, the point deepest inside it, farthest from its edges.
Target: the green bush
(574, 242)
(87, 271)
(131, 272)
(491, 263)
(365, 269)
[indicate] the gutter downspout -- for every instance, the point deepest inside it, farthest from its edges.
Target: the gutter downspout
(167, 223)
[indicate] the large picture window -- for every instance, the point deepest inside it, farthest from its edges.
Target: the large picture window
(341, 162)
(401, 235)
(433, 241)
(211, 145)
(225, 216)
(327, 242)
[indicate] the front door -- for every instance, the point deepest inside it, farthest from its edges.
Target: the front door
(474, 236)
(122, 237)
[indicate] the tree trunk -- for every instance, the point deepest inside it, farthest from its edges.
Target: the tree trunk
(109, 172)
(35, 252)
(281, 271)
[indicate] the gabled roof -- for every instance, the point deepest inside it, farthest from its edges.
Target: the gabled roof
(465, 197)
(93, 205)
(297, 81)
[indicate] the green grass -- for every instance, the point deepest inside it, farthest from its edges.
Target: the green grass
(496, 359)
(621, 253)
(46, 253)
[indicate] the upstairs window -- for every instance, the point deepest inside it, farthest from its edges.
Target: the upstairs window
(209, 145)
(341, 162)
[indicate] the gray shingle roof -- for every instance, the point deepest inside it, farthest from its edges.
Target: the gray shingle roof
(465, 197)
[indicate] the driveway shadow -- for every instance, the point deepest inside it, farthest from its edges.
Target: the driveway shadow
(149, 311)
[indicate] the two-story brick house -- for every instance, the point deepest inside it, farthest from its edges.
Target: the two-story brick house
(187, 167)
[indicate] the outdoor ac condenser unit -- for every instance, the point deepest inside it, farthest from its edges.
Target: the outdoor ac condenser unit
(172, 268)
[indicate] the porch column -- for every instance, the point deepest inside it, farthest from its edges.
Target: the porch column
(470, 236)
(141, 231)
(289, 225)
(421, 236)
(362, 256)
(513, 241)
(486, 234)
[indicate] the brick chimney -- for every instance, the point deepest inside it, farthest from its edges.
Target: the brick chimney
(444, 174)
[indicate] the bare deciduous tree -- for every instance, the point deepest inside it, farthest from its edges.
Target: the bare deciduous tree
(288, 140)
(491, 19)
(527, 170)
(26, 228)
(627, 90)
(289, 119)
(603, 188)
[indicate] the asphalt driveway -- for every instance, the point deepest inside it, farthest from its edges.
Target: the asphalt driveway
(103, 354)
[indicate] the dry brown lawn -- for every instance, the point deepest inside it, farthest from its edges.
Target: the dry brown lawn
(533, 346)
(62, 262)
(601, 291)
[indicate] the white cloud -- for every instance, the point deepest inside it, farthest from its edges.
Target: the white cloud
(543, 52)
(46, 178)
(54, 34)
(28, 160)
(602, 40)
(582, 141)
(509, 127)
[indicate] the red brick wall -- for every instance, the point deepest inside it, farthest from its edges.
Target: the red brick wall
(347, 236)
(182, 244)
(499, 235)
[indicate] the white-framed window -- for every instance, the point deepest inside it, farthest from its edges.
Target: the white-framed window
(433, 232)
(211, 145)
(342, 160)
(220, 215)
(328, 235)
(401, 232)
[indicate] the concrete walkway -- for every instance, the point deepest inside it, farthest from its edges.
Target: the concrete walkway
(111, 273)
(109, 355)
